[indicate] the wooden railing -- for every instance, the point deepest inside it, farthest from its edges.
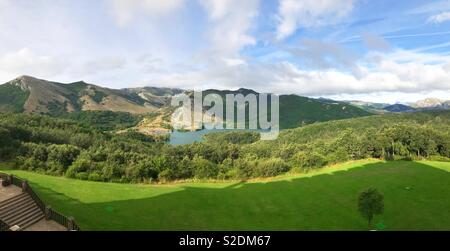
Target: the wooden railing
(3, 226)
(16, 181)
(34, 196)
(61, 219)
(50, 214)
(68, 222)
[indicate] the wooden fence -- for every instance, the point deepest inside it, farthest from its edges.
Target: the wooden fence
(3, 226)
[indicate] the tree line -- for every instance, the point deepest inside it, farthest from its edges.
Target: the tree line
(66, 147)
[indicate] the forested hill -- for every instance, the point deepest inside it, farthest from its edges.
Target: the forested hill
(298, 111)
(37, 96)
(64, 147)
(438, 120)
(388, 136)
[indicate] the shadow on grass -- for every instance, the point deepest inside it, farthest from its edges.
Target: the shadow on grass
(417, 197)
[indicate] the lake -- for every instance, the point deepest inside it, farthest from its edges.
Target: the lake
(183, 138)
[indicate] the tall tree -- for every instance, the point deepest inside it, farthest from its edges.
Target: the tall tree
(370, 203)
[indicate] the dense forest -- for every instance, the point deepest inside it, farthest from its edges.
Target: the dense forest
(64, 146)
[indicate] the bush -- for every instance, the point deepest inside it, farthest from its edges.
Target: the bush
(203, 168)
(95, 177)
(439, 158)
(80, 165)
(246, 168)
(82, 176)
(166, 175)
(271, 167)
(309, 160)
(31, 164)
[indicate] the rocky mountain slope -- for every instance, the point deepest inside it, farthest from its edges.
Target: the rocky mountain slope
(31, 95)
(431, 103)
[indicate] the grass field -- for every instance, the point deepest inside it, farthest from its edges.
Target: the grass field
(322, 200)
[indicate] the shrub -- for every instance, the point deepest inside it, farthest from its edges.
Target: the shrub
(80, 165)
(95, 177)
(82, 176)
(166, 175)
(271, 167)
(439, 158)
(203, 168)
(246, 168)
(309, 160)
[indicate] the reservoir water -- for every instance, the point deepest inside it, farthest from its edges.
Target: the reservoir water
(183, 138)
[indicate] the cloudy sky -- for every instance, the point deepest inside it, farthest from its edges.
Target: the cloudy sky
(383, 50)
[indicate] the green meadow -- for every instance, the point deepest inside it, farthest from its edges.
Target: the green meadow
(417, 197)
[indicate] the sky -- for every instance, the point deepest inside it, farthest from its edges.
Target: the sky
(379, 51)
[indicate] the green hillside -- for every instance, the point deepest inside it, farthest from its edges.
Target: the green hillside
(104, 120)
(297, 111)
(12, 98)
(57, 99)
(417, 197)
(79, 150)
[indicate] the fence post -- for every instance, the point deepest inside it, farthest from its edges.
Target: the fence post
(70, 223)
(10, 178)
(48, 212)
(24, 186)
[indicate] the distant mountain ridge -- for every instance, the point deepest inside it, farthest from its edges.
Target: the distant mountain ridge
(421, 105)
(297, 110)
(31, 95)
(431, 103)
(399, 108)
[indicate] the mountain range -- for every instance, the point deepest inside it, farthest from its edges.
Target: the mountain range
(31, 95)
(421, 105)
(27, 94)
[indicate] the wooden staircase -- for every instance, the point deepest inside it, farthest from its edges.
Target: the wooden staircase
(20, 210)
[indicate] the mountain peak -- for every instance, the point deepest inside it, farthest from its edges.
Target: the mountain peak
(399, 108)
(428, 103)
(26, 78)
(23, 81)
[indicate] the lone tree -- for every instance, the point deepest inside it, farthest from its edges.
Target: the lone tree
(370, 203)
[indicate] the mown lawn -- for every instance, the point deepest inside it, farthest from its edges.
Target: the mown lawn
(417, 197)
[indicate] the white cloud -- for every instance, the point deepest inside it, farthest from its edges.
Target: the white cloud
(192, 51)
(323, 55)
(26, 62)
(440, 18)
(126, 10)
(232, 20)
(431, 7)
(150, 64)
(103, 64)
(294, 14)
(234, 61)
(229, 30)
(392, 97)
(447, 67)
(396, 71)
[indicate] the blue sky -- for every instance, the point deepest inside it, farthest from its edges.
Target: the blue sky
(386, 51)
